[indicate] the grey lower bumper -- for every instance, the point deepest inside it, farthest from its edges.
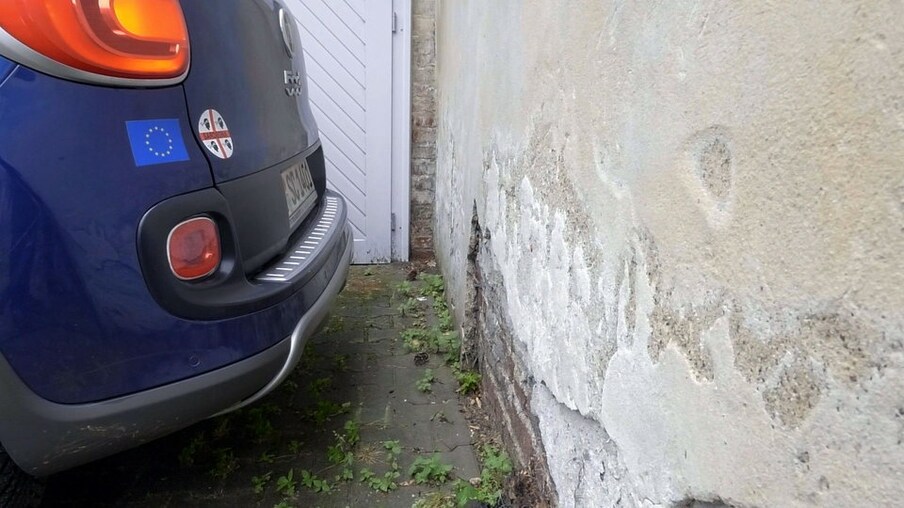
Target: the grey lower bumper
(45, 437)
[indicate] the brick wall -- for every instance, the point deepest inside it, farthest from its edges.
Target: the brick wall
(423, 126)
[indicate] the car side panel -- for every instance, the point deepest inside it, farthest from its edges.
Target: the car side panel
(70, 199)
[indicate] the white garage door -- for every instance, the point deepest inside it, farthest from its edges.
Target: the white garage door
(348, 50)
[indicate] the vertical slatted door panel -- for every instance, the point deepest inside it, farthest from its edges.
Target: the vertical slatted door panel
(348, 54)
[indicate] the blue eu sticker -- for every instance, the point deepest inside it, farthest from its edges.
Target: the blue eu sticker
(156, 141)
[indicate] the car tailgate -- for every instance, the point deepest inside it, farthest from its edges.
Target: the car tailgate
(240, 68)
(247, 96)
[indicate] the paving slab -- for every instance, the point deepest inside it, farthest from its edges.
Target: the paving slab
(356, 369)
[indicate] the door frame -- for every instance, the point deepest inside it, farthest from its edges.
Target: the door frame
(378, 86)
(401, 130)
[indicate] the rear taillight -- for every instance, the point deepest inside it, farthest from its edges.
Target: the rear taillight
(131, 39)
(193, 248)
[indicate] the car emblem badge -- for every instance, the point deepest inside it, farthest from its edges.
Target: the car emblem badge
(215, 135)
(285, 26)
(293, 82)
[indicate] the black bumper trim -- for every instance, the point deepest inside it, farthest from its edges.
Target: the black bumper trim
(229, 292)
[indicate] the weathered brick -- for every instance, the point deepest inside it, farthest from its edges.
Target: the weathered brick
(423, 27)
(424, 134)
(424, 8)
(423, 126)
(423, 151)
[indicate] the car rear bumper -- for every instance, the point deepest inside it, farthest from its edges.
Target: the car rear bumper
(44, 437)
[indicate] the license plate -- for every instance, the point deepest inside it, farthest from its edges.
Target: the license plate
(300, 195)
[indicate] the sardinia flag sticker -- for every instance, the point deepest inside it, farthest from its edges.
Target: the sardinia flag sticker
(215, 134)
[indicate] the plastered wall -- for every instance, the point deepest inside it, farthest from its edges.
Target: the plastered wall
(694, 212)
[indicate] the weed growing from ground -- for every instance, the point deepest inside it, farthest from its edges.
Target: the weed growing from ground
(410, 308)
(325, 410)
(352, 434)
(308, 357)
(387, 481)
(468, 381)
(450, 344)
(393, 450)
(440, 338)
(496, 466)
(334, 325)
(225, 463)
(443, 315)
(224, 426)
(404, 289)
(312, 482)
(434, 500)
(259, 424)
(430, 470)
(189, 452)
(340, 362)
(259, 483)
(425, 383)
(320, 385)
(287, 484)
(341, 453)
(338, 456)
(416, 339)
(433, 285)
(346, 475)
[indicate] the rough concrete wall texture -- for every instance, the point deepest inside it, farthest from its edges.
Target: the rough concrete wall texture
(696, 210)
(423, 125)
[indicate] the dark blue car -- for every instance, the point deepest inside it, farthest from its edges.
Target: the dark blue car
(167, 241)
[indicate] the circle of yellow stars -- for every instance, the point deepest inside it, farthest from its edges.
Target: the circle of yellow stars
(153, 150)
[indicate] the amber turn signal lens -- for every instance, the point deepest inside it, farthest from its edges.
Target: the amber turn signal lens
(193, 248)
(139, 39)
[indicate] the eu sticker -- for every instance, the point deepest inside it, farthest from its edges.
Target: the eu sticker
(156, 141)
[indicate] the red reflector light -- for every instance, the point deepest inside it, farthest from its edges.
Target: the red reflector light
(138, 39)
(193, 248)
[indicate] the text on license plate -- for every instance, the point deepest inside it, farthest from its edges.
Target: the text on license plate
(300, 195)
